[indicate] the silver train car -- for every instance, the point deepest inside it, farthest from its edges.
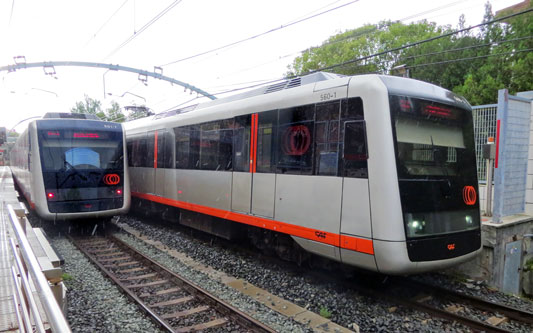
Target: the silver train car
(70, 167)
(372, 171)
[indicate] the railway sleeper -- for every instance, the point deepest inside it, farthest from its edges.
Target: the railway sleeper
(199, 327)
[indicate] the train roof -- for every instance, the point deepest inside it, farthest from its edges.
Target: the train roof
(395, 85)
(69, 115)
(275, 87)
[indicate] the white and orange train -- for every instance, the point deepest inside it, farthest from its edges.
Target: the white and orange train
(69, 166)
(373, 171)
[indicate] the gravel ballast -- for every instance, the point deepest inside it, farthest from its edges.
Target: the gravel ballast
(346, 308)
(94, 303)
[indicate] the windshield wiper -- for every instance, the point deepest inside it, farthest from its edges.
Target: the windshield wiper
(74, 172)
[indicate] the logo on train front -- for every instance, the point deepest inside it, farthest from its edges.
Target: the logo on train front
(469, 195)
(111, 179)
(451, 246)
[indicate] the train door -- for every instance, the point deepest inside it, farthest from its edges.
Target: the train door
(264, 126)
(242, 164)
(356, 229)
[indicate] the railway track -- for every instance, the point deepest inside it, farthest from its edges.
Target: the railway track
(443, 303)
(432, 299)
(171, 301)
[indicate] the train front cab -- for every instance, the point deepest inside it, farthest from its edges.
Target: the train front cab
(83, 174)
(422, 180)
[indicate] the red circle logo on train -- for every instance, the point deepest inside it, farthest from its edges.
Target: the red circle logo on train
(296, 140)
(111, 179)
(469, 195)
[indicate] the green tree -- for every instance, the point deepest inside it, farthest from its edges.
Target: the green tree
(506, 65)
(90, 106)
(114, 113)
(94, 106)
(472, 63)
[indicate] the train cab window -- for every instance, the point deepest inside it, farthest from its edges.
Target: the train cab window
(295, 138)
(327, 138)
(266, 135)
(241, 143)
(353, 161)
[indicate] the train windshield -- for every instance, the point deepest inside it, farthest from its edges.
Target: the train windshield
(66, 150)
(436, 166)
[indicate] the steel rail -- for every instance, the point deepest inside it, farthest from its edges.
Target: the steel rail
(220, 305)
(374, 292)
(508, 311)
(130, 294)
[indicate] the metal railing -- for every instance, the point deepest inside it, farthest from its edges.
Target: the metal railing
(23, 295)
(484, 127)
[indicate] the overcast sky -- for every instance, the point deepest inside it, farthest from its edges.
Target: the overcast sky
(102, 30)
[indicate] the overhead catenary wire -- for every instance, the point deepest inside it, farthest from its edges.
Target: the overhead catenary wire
(356, 35)
(391, 50)
(105, 23)
(470, 58)
(466, 48)
(146, 26)
(11, 14)
(388, 24)
(260, 34)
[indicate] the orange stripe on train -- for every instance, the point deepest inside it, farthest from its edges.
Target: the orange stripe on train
(363, 245)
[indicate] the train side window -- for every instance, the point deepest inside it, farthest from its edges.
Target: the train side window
(327, 138)
(183, 138)
(139, 151)
(161, 136)
(295, 137)
(241, 143)
(351, 110)
(216, 145)
(150, 150)
(266, 137)
(225, 145)
(129, 147)
(355, 153)
(168, 161)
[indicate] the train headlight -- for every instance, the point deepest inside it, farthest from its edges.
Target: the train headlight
(468, 219)
(415, 223)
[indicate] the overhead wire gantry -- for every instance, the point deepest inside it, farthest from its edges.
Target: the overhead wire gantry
(49, 69)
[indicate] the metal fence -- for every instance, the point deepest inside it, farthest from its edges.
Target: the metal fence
(484, 127)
